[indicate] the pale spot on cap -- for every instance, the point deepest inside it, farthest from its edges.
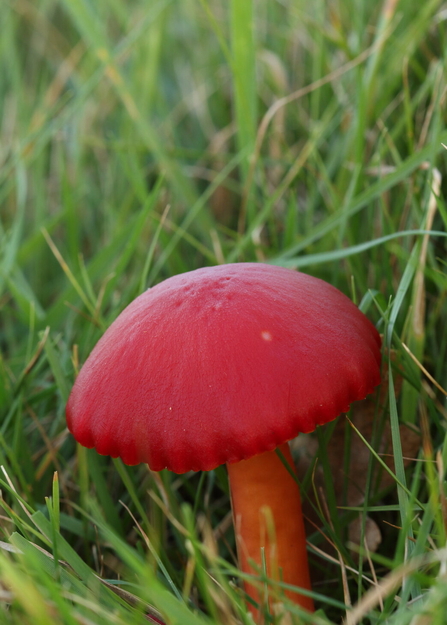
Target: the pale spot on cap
(266, 335)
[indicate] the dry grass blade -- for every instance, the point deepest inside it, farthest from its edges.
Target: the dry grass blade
(424, 370)
(293, 97)
(390, 584)
(66, 269)
(418, 319)
(38, 352)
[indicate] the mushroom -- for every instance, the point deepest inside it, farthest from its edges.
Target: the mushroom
(226, 365)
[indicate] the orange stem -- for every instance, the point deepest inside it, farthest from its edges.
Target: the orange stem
(267, 514)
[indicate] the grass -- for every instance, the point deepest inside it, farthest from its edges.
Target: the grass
(143, 139)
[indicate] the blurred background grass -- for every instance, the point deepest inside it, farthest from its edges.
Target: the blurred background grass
(142, 139)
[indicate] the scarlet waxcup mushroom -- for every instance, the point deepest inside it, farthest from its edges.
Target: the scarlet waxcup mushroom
(226, 365)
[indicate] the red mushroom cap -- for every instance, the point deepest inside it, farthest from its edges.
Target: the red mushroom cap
(220, 364)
